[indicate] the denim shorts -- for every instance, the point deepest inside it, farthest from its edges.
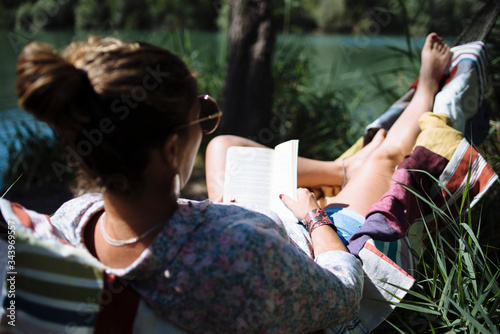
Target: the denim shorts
(346, 221)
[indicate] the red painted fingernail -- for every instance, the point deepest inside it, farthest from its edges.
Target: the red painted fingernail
(281, 196)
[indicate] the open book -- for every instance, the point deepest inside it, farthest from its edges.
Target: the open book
(257, 176)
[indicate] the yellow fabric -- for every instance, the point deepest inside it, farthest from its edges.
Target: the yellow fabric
(438, 135)
(353, 149)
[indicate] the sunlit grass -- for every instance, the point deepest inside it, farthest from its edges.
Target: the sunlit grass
(457, 287)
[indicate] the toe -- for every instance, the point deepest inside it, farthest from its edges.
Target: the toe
(440, 48)
(429, 41)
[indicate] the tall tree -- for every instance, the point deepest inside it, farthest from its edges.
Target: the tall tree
(248, 89)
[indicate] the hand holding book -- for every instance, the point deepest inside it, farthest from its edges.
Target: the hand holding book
(306, 201)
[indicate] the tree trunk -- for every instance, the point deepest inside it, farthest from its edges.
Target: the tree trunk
(481, 24)
(248, 91)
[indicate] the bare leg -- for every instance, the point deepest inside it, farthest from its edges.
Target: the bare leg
(436, 58)
(310, 172)
(374, 177)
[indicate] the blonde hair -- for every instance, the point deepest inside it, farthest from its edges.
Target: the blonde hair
(108, 100)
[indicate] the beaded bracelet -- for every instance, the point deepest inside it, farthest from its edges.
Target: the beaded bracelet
(343, 173)
(316, 218)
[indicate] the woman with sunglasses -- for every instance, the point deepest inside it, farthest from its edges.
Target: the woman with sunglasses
(129, 117)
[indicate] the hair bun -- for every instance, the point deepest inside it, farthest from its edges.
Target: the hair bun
(47, 85)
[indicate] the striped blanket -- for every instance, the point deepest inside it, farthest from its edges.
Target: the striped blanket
(462, 96)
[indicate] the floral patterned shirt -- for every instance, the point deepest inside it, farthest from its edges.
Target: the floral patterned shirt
(217, 268)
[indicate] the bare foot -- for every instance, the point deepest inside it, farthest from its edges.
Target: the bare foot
(355, 161)
(436, 58)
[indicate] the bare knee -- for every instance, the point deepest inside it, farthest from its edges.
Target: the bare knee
(220, 144)
(215, 159)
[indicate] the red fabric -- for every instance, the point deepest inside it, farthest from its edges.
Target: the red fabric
(119, 304)
(23, 217)
(384, 257)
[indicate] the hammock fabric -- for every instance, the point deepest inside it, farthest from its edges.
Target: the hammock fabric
(389, 240)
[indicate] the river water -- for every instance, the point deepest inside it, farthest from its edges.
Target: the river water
(341, 61)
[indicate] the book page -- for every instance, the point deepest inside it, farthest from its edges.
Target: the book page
(248, 174)
(284, 179)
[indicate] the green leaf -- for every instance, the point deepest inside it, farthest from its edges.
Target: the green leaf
(10, 187)
(470, 319)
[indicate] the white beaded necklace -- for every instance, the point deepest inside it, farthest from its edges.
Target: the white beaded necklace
(119, 243)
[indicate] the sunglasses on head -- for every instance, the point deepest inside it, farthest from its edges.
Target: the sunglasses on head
(209, 115)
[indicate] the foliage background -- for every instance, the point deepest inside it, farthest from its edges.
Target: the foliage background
(326, 16)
